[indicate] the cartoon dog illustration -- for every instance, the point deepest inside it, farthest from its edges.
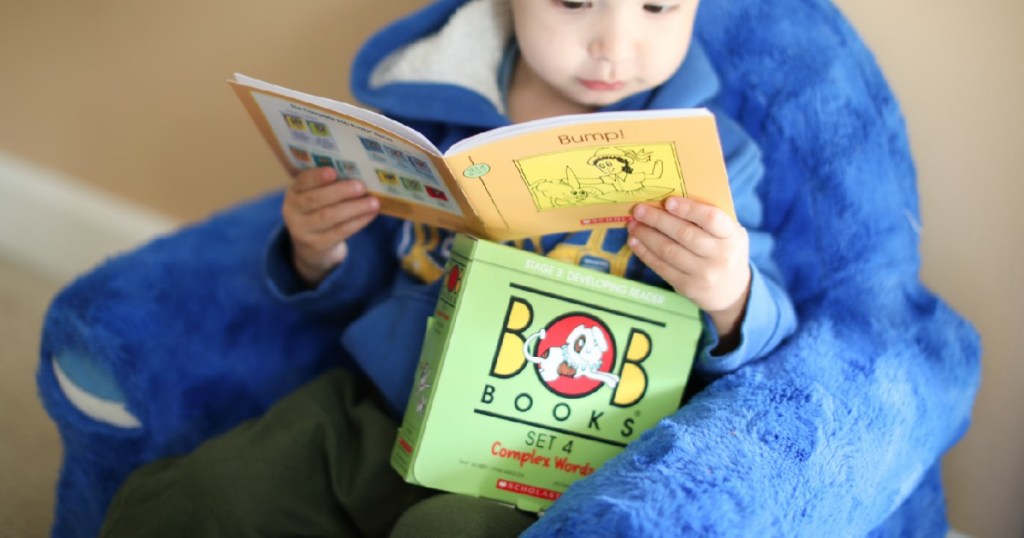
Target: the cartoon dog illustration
(579, 356)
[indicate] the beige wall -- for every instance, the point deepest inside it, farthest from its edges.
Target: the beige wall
(129, 97)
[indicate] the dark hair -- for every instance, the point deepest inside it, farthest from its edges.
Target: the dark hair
(625, 164)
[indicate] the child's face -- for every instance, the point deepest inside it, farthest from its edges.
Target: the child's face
(597, 52)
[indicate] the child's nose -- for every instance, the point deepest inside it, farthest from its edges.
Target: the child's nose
(615, 40)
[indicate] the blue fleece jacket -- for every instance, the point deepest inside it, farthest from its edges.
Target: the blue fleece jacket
(384, 275)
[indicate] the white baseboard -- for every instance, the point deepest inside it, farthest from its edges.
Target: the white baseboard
(60, 227)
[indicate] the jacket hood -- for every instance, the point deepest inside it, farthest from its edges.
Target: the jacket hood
(441, 64)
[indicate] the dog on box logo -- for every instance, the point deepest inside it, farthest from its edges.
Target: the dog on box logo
(579, 356)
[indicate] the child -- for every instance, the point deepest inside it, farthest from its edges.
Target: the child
(317, 462)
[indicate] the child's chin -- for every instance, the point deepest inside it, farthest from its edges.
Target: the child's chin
(602, 99)
(593, 102)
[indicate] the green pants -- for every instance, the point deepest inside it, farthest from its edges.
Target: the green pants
(315, 464)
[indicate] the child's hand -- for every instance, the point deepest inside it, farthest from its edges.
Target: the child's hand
(702, 253)
(320, 214)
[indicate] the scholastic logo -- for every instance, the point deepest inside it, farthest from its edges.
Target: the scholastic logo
(606, 220)
(526, 489)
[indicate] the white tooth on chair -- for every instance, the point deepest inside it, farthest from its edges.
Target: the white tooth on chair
(94, 407)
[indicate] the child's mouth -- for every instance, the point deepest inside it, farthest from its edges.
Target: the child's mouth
(602, 86)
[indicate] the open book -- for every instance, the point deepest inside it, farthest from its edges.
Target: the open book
(559, 174)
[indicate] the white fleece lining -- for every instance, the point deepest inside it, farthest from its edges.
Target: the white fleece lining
(472, 42)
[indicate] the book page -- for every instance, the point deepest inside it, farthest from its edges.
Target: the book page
(586, 172)
(397, 164)
(346, 109)
(543, 124)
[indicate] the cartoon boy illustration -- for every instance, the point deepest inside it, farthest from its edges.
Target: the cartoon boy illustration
(618, 170)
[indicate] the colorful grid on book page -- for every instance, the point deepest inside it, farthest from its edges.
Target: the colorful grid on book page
(387, 166)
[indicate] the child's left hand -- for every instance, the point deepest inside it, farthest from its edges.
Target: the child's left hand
(702, 252)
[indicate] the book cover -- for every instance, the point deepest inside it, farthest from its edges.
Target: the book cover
(558, 174)
(534, 372)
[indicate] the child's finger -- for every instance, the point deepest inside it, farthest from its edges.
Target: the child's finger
(315, 199)
(331, 216)
(669, 272)
(312, 178)
(680, 230)
(710, 218)
(651, 245)
(347, 229)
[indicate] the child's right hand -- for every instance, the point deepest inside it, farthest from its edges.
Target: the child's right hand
(321, 213)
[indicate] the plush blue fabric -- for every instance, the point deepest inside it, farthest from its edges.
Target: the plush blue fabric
(840, 431)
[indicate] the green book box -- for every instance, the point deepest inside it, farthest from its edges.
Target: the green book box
(534, 372)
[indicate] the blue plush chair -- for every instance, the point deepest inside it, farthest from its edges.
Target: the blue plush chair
(840, 431)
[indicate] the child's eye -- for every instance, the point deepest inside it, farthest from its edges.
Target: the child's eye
(574, 5)
(658, 8)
